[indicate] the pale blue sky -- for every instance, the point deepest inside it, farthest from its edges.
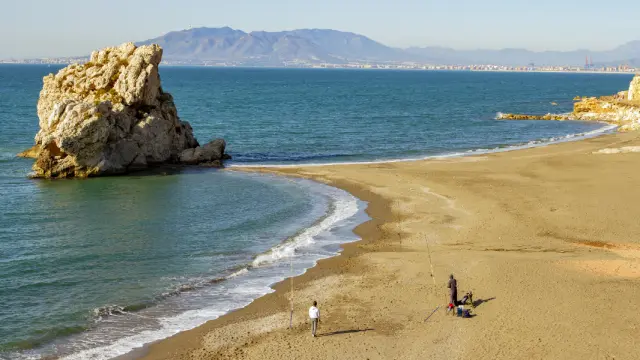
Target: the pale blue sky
(34, 28)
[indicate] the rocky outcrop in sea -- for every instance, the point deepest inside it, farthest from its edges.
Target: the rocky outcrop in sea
(621, 109)
(634, 89)
(111, 116)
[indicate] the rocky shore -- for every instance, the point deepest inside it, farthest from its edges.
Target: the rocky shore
(111, 116)
(621, 109)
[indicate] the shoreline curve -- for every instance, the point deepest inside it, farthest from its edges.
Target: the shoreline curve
(392, 233)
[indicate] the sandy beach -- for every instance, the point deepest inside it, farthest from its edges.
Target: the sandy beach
(546, 238)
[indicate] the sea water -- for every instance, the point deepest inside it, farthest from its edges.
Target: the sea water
(94, 268)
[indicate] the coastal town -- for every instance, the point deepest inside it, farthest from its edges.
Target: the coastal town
(367, 65)
(485, 67)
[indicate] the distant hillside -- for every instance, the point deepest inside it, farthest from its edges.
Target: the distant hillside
(261, 47)
(315, 46)
(621, 54)
(337, 47)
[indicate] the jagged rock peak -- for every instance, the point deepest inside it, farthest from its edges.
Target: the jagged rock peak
(109, 116)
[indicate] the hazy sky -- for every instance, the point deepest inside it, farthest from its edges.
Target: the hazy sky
(35, 28)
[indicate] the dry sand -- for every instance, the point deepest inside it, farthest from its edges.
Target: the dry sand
(547, 238)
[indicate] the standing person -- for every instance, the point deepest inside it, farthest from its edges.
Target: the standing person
(314, 315)
(453, 288)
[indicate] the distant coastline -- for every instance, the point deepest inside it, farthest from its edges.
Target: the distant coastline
(328, 48)
(357, 66)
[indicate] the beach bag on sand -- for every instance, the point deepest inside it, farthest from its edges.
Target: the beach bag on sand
(450, 308)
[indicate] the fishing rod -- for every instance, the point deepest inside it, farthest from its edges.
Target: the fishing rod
(291, 297)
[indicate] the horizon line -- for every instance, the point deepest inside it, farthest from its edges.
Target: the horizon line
(444, 47)
(372, 39)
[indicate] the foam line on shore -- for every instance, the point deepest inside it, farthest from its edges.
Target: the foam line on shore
(343, 208)
(242, 286)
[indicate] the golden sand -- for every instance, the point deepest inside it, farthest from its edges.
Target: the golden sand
(547, 238)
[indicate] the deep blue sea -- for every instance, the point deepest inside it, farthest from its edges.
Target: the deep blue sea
(90, 269)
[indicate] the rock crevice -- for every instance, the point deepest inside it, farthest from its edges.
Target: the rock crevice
(110, 116)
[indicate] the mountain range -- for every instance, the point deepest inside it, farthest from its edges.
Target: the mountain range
(262, 47)
(337, 47)
(628, 53)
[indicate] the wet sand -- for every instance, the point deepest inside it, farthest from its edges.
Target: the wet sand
(548, 240)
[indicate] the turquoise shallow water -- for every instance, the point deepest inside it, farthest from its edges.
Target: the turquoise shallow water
(91, 269)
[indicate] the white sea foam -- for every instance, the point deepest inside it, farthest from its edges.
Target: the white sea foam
(344, 206)
(240, 288)
(240, 272)
(107, 311)
(169, 327)
(4, 155)
(607, 128)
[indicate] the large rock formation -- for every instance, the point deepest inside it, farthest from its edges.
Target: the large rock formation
(110, 116)
(621, 109)
(634, 89)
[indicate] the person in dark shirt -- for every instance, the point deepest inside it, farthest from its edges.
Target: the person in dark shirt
(453, 288)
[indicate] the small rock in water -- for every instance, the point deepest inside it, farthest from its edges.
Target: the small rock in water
(212, 151)
(621, 109)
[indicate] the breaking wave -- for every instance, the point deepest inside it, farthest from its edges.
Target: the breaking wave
(341, 208)
(119, 329)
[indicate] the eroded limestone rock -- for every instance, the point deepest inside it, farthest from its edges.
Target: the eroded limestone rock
(108, 116)
(621, 109)
(208, 153)
(634, 89)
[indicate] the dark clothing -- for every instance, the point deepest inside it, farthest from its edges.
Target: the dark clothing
(453, 286)
(454, 297)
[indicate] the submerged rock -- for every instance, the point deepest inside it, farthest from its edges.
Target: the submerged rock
(502, 116)
(31, 152)
(110, 116)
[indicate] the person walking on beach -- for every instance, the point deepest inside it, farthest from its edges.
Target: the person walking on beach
(314, 316)
(453, 288)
